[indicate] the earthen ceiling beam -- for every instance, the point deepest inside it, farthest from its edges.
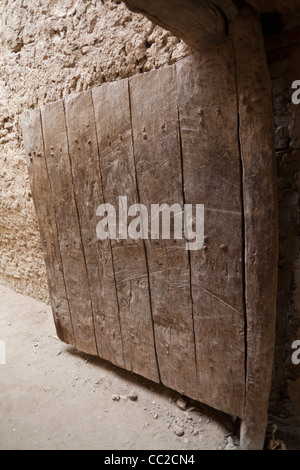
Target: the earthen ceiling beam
(204, 23)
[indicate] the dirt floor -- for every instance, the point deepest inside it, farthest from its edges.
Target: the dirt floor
(53, 397)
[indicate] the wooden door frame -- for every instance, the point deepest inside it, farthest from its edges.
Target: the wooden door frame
(227, 20)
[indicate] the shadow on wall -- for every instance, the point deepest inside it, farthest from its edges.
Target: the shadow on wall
(285, 396)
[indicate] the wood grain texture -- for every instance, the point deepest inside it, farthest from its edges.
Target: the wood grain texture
(198, 132)
(159, 176)
(212, 176)
(257, 139)
(229, 8)
(43, 202)
(200, 24)
(87, 185)
(112, 115)
(60, 176)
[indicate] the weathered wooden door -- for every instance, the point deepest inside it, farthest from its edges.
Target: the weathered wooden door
(170, 136)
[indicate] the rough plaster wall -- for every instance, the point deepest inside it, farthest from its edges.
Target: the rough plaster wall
(48, 49)
(285, 398)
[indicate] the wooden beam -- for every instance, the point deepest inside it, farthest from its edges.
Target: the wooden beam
(200, 24)
(204, 24)
(61, 192)
(257, 143)
(284, 8)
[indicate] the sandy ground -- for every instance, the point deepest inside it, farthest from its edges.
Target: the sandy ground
(53, 397)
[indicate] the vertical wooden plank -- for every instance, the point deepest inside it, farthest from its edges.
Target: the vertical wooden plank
(87, 185)
(212, 176)
(257, 137)
(158, 165)
(112, 116)
(43, 202)
(59, 171)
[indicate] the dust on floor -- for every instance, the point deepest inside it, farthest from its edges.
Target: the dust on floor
(54, 397)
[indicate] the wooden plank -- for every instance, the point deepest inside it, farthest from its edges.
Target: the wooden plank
(158, 166)
(43, 202)
(200, 24)
(112, 116)
(59, 171)
(257, 138)
(286, 9)
(204, 24)
(87, 185)
(212, 176)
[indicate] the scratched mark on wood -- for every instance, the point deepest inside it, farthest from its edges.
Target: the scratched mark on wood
(113, 122)
(158, 164)
(149, 306)
(45, 210)
(212, 173)
(70, 241)
(83, 149)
